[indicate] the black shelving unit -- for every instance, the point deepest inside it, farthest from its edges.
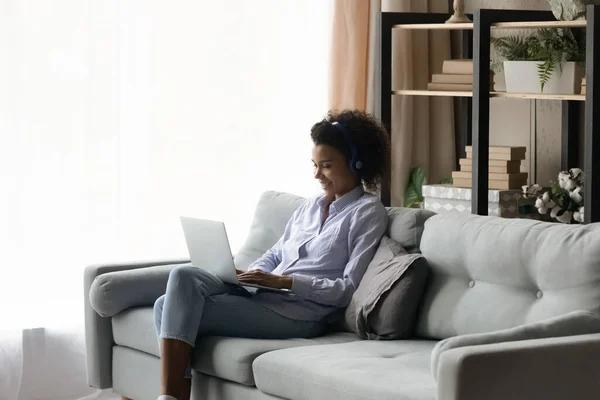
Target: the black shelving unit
(592, 117)
(477, 109)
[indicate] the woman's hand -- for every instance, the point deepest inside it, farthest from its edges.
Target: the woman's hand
(258, 277)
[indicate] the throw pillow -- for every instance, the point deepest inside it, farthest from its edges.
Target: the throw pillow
(385, 304)
(574, 323)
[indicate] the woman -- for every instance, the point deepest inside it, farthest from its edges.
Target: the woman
(321, 258)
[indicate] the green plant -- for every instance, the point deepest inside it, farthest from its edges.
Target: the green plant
(414, 189)
(551, 47)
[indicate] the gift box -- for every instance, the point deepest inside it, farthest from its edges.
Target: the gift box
(501, 203)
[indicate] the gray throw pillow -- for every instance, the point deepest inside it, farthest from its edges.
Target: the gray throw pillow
(385, 304)
(579, 322)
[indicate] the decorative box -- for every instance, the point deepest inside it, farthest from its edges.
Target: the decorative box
(501, 203)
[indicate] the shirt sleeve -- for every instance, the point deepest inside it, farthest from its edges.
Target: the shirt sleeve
(272, 257)
(365, 234)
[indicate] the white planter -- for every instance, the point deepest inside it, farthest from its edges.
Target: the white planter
(522, 77)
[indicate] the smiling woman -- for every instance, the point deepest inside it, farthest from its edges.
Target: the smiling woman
(320, 258)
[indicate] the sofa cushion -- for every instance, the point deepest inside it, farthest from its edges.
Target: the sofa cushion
(488, 273)
(384, 306)
(231, 358)
(377, 370)
(271, 215)
(406, 226)
(223, 357)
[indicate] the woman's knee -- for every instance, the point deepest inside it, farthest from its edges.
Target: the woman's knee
(183, 273)
(181, 277)
(195, 280)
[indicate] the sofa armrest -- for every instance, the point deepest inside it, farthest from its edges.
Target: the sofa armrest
(552, 368)
(98, 330)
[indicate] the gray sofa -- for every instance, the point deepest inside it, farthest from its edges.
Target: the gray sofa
(494, 322)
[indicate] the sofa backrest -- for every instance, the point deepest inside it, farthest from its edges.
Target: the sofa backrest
(274, 209)
(271, 215)
(490, 273)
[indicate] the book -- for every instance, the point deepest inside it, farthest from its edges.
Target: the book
(494, 170)
(506, 153)
(501, 156)
(450, 87)
(504, 166)
(459, 67)
(502, 149)
(496, 185)
(452, 78)
(516, 177)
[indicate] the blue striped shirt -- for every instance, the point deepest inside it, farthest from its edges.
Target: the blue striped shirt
(325, 260)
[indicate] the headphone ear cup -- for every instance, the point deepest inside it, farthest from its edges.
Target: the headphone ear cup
(356, 166)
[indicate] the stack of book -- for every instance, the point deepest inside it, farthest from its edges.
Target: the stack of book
(456, 76)
(583, 82)
(504, 168)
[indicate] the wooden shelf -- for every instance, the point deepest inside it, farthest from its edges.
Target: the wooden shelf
(452, 27)
(432, 93)
(540, 24)
(499, 25)
(536, 96)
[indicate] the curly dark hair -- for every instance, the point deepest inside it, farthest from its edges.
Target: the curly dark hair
(369, 136)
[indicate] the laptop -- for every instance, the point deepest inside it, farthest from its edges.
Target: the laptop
(209, 249)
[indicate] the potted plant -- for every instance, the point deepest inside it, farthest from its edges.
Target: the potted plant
(549, 61)
(413, 196)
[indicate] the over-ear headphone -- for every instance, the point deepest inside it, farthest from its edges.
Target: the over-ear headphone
(355, 163)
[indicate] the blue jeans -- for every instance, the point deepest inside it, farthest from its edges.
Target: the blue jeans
(197, 303)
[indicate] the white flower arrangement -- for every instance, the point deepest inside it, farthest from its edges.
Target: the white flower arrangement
(563, 199)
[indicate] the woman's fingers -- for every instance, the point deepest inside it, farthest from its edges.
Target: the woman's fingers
(256, 277)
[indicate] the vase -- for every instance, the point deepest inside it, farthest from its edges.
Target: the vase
(522, 77)
(569, 10)
(459, 13)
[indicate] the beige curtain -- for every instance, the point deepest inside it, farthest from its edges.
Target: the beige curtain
(349, 66)
(422, 127)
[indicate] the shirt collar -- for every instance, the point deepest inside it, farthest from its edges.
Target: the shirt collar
(347, 199)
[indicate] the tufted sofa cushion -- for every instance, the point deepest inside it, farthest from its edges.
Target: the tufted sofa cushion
(406, 226)
(490, 273)
(271, 215)
(362, 370)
